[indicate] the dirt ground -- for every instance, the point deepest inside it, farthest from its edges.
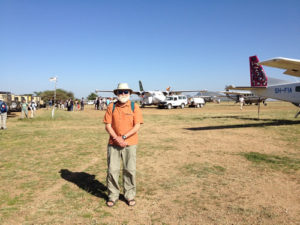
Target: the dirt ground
(192, 168)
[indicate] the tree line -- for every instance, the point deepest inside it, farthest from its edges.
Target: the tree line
(61, 94)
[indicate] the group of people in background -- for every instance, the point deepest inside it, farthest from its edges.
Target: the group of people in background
(101, 103)
(32, 106)
(69, 104)
(74, 105)
(28, 109)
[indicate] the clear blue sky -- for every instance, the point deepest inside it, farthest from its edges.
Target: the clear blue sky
(185, 44)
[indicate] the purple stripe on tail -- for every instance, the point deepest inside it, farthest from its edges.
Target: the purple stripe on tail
(258, 76)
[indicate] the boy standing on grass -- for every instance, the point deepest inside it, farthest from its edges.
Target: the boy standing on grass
(122, 121)
(24, 109)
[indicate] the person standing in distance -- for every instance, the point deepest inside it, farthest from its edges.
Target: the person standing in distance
(24, 107)
(3, 114)
(242, 102)
(82, 104)
(122, 122)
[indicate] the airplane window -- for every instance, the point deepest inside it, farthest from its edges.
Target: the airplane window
(297, 89)
(175, 99)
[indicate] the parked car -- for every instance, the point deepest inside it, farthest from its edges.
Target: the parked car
(174, 101)
(13, 104)
(90, 102)
(197, 102)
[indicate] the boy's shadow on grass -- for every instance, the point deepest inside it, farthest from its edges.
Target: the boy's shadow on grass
(88, 183)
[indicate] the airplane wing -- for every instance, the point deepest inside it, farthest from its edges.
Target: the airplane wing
(244, 88)
(139, 92)
(235, 92)
(292, 66)
(133, 92)
(103, 91)
(179, 92)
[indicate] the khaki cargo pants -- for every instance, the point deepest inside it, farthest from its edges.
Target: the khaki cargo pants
(3, 117)
(115, 155)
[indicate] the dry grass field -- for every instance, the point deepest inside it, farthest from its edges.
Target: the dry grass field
(214, 165)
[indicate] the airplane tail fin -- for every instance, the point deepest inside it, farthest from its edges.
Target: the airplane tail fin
(258, 76)
(141, 86)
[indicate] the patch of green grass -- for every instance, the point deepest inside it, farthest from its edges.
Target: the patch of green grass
(87, 215)
(28, 184)
(147, 190)
(203, 169)
(7, 211)
(150, 149)
(71, 194)
(154, 118)
(12, 200)
(10, 204)
(104, 214)
(273, 161)
(266, 212)
(240, 210)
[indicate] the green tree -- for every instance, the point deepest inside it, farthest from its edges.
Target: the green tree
(37, 93)
(92, 96)
(60, 95)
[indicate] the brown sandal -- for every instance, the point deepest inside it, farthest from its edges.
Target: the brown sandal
(131, 202)
(111, 203)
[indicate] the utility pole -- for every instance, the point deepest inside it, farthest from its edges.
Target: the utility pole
(53, 79)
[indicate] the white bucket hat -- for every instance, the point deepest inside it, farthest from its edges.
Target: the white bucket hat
(122, 86)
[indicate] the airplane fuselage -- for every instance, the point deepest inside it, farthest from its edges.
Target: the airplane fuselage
(153, 98)
(285, 92)
(249, 98)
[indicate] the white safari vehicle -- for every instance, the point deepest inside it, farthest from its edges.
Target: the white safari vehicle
(197, 102)
(174, 101)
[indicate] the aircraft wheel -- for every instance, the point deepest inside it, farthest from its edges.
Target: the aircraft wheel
(169, 106)
(201, 105)
(198, 106)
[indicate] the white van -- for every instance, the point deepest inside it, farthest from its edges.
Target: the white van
(174, 101)
(197, 102)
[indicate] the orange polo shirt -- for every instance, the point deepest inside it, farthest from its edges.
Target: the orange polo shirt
(123, 120)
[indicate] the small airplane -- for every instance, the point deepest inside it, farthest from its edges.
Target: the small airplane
(285, 91)
(249, 97)
(211, 97)
(149, 98)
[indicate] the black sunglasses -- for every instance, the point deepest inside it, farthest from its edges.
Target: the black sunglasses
(123, 92)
